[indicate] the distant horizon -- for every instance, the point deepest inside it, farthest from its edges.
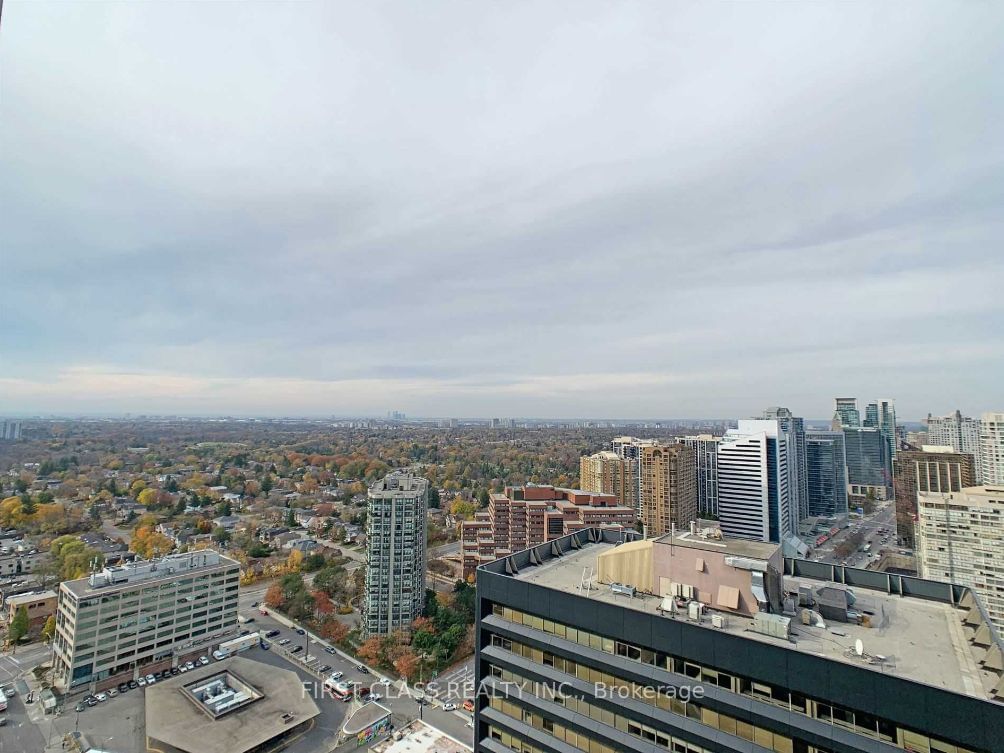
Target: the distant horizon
(128, 416)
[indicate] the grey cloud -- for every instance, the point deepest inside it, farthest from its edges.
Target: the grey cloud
(458, 206)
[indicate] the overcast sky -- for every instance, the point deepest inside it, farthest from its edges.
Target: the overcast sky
(510, 208)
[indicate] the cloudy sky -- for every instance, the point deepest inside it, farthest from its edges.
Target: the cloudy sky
(512, 208)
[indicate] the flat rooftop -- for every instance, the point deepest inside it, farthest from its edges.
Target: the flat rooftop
(143, 572)
(419, 737)
(919, 640)
(173, 718)
(737, 547)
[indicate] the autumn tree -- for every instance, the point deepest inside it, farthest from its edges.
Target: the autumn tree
(333, 630)
(406, 665)
(50, 628)
(147, 496)
(322, 604)
(274, 596)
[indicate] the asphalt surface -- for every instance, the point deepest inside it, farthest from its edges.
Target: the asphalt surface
(403, 704)
(884, 517)
(19, 734)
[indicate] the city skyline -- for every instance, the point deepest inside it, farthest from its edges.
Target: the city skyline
(370, 209)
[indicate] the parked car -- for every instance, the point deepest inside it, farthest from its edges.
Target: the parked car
(362, 668)
(132, 685)
(141, 682)
(91, 701)
(449, 707)
(329, 650)
(112, 692)
(323, 668)
(203, 660)
(337, 676)
(101, 697)
(80, 707)
(301, 631)
(189, 665)
(271, 633)
(123, 687)
(151, 679)
(264, 645)
(296, 649)
(174, 671)
(469, 705)
(284, 642)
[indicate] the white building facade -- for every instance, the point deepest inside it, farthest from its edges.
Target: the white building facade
(960, 539)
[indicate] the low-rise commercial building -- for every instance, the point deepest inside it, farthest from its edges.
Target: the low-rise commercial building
(39, 605)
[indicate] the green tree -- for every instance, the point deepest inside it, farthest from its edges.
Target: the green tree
(28, 506)
(221, 535)
(223, 509)
(19, 625)
(290, 518)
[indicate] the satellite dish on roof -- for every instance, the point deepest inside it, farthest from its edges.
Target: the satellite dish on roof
(859, 647)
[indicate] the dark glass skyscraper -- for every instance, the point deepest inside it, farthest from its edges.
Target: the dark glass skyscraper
(826, 472)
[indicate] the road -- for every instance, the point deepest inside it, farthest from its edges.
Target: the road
(20, 734)
(883, 518)
(444, 550)
(402, 702)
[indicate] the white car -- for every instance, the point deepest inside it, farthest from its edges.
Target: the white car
(112, 692)
(102, 697)
(182, 668)
(150, 679)
(189, 665)
(203, 660)
(336, 676)
(141, 681)
(449, 707)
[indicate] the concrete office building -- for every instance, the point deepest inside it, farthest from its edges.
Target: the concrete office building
(961, 433)
(960, 539)
(524, 516)
(668, 488)
(125, 621)
(597, 643)
(705, 448)
(992, 448)
(608, 473)
(826, 472)
(754, 492)
(395, 552)
(930, 469)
